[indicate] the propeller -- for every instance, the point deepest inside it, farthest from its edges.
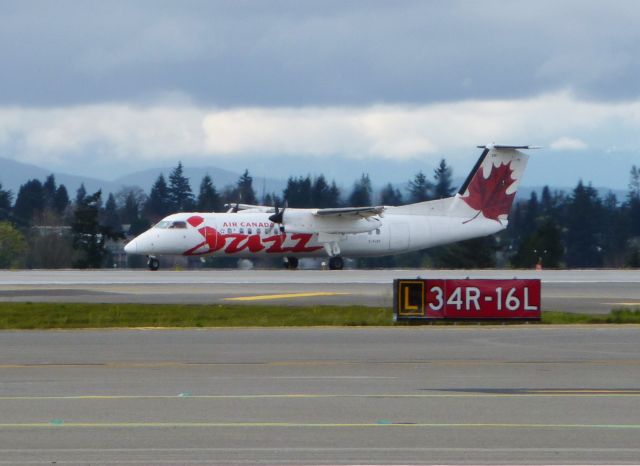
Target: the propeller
(232, 208)
(278, 216)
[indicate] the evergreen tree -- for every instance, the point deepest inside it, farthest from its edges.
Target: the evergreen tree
(29, 202)
(361, 194)
(208, 197)
(131, 201)
(531, 213)
(334, 199)
(633, 258)
(158, 204)
(477, 253)
(547, 204)
(632, 204)
(110, 218)
(49, 191)
(229, 195)
(88, 236)
(390, 195)
(81, 193)
(180, 194)
(130, 211)
(320, 193)
(615, 232)
(543, 246)
(548, 243)
(245, 192)
(269, 200)
(634, 182)
(442, 187)
(298, 192)
(630, 213)
(584, 223)
(419, 188)
(5, 203)
(60, 200)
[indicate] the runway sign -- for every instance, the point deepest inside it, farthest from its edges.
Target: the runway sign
(466, 299)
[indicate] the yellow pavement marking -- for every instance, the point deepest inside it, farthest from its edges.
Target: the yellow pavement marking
(284, 296)
(62, 424)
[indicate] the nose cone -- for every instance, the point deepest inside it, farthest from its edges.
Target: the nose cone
(131, 247)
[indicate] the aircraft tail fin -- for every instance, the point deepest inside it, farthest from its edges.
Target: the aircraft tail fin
(491, 186)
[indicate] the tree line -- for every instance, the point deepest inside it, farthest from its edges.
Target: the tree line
(45, 228)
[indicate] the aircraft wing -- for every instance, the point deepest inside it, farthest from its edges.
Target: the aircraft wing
(235, 207)
(363, 212)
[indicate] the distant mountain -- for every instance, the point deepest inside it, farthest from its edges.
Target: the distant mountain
(13, 174)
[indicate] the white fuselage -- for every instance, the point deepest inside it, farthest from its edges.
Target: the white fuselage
(253, 234)
(480, 208)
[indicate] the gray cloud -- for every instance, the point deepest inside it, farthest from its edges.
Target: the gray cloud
(291, 53)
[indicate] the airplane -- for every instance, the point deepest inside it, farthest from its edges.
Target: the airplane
(479, 208)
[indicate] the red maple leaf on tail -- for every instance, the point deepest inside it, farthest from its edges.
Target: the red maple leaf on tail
(489, 195)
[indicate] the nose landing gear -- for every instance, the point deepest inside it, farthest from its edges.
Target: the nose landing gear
(153, 263)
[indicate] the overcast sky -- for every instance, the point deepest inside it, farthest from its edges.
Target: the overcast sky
(104, 88)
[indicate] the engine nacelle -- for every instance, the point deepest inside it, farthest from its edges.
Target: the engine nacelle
(303, 221)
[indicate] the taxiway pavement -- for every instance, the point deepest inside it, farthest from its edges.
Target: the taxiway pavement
(589, 291)
(517, 395)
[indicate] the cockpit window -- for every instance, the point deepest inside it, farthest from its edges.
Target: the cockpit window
(178, 224)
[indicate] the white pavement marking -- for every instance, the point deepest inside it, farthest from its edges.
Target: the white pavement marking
(269, 277)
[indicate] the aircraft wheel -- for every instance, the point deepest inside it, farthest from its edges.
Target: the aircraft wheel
(291, 263)
(336, 263)
(154, 264)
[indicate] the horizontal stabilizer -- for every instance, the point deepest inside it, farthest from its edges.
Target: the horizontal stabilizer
(498, 147)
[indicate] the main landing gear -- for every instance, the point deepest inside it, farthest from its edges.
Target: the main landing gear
(333, 251)
(336, 263)
(291, 263)
(153, 263)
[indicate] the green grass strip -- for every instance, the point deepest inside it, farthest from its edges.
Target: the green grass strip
(616, 316)
(76, 315)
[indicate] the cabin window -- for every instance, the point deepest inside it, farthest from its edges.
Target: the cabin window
(370, 232)
(229, 230)
(242, 231)
(258, 231)
(377, 231)
(249, 231)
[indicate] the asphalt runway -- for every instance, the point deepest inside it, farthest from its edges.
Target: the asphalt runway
(588, 291)
(457, 395)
